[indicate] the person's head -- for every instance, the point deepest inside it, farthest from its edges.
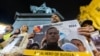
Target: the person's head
(34, 46)
(52, 35)
(89, 24)
(79, 44)
(9, 28)
(24, 28)
(55, 18)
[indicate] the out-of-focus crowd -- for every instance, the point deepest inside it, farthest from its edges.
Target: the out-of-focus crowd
(50, 41)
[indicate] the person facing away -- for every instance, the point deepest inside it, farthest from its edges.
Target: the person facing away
(52, 37)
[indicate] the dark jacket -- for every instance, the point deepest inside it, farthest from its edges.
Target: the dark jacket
(52, 47)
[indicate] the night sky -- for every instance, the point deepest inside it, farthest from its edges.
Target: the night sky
(68, 8)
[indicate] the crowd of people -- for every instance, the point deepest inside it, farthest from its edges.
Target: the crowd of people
(50, 41)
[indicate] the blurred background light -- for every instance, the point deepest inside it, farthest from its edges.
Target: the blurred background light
(2, 28)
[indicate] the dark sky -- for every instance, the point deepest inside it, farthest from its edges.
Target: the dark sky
(68, 8)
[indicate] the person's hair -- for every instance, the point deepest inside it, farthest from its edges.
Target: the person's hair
(59, 15)
(51, 28)
(78, 40)
(89, 22)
